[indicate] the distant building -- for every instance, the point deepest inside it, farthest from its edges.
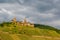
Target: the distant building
(23, 23)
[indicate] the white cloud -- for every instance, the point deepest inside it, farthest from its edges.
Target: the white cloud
(55, 22)
(22, 1)
(55, 1)
(6, 11)
(45, 15)
(0, 11)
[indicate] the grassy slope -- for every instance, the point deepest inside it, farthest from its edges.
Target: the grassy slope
(25, 37)
(5, 36)
(47, 27)
(26, 33)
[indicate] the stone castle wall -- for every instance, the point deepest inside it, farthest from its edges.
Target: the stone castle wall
(23, 23)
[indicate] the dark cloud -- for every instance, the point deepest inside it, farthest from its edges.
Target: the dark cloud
(7, 1)
(37, 11)
(43, 8)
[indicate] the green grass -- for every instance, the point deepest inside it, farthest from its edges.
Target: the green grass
(26, 37)
(26, 33)
(5, 36)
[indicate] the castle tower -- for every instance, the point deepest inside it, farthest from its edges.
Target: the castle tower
(14, 20)
(25, 22)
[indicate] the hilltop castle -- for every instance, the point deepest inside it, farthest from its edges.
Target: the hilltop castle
(23, 23)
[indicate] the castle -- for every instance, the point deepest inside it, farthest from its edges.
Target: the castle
(22, 23)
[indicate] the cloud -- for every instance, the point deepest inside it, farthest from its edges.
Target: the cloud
(7, 1)
(50, 15)
(55, 23)
(21, 1)
(6, 11)
(37, 11)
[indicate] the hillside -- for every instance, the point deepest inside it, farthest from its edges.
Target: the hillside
(47, 27)
(9, 31)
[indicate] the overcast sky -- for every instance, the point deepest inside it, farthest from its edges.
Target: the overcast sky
(36, 11)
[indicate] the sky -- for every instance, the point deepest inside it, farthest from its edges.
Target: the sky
(36, 11)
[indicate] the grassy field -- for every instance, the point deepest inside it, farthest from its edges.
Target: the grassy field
(6, 36)
(39, 32)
